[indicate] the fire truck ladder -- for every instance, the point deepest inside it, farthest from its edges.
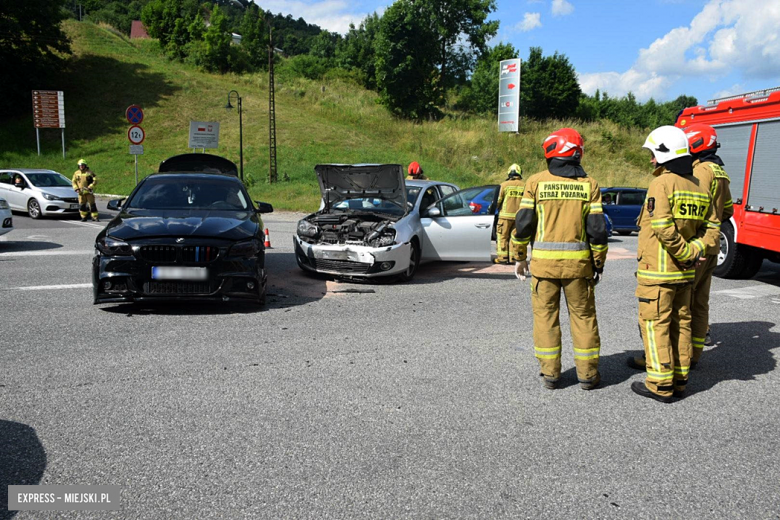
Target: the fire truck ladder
(272, 176)
(746, 95)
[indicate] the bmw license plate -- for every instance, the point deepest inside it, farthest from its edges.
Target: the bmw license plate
(74, 206)
(179, 273)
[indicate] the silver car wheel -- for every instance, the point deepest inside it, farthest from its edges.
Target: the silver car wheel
(34, 209)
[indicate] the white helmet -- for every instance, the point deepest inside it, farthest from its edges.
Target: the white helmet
(667, 143)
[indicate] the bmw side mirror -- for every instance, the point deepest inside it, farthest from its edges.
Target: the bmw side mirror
(432, 211)
(264, 207)
(115, 205)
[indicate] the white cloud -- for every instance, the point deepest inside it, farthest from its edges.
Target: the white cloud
(530, 21)
(726, 36)
(332, 15)
(561, 8)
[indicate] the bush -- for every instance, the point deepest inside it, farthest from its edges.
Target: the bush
(305, 66)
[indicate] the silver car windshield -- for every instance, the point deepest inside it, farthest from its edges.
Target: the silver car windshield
(369, 205)
(46, 180)
(189, 193)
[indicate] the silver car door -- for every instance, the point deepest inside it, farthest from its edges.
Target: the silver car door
(5, 187)
(451, 231)
(15, 196)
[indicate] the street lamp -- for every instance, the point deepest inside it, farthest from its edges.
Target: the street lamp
(240, 129)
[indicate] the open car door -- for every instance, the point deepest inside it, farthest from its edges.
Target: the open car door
(453, 231)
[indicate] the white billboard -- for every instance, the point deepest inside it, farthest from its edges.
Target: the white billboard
(509, 96)
(204, 134)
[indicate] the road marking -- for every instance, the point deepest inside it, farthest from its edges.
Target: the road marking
(748, 293)
(620, 253)
(87, 224)
(46, 253)
(50, 287)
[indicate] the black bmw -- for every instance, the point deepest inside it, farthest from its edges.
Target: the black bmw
(190, 232)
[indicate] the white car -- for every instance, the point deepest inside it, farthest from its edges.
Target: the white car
(6, 219)
(371, 223)
(41, 193)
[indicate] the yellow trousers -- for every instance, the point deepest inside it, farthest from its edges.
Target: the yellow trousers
(580, 299)
(87, 205)
(700, 305)
(504, 228)
(665, 321)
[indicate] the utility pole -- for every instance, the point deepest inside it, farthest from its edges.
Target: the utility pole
(272, 177)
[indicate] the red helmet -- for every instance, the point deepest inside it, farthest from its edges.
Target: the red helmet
(701, 137)
(414, 168)
(566, 142)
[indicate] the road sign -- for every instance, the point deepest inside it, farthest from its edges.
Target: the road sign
(48, 108)
(134, 114)
(204, 134)
(509, 95)
(135, 134)
(136, 149)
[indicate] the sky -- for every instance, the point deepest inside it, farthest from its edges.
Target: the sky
(656, 49)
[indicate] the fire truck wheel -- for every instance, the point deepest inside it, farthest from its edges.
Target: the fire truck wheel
(734, 260)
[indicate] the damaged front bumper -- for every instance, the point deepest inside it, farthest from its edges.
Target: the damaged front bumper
(352, 260)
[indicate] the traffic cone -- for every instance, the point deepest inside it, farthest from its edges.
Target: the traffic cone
(267, 239)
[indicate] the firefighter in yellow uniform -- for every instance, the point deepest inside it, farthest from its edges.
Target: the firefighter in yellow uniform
(561, 211)
(508, 203)
(84, 183)
(678, 225)
(708, 168)
(415, 172)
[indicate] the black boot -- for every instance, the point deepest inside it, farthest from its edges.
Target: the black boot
(638, 387)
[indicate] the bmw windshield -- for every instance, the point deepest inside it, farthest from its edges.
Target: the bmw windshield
(190, 192)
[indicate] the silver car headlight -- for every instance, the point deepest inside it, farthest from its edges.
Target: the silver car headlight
(48, 196)
(307, 229)
(383, 238)
(4, 204)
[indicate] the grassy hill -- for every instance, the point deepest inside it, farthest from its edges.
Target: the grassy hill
(317, 122)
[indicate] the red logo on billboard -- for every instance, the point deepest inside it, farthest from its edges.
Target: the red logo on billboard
(506, 69)
(508, 104)
(201, 129)
(511, 86)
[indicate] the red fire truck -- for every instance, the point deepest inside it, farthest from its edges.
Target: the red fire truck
(748, 127)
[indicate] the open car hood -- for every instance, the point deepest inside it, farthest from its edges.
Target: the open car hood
(357, 181)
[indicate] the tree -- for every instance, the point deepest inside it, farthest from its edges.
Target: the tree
(482, 94)
(406, 72)
(356, 50)
(254, 37)
(454, 20)
(216, 39)
(548, 86)
(31, 47)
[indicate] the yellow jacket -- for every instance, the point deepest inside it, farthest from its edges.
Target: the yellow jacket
(713, 175)
(83, 179)
(509, 198)
(565, 218)
(420, 177)
(678, 224)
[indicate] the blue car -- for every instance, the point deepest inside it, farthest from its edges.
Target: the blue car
(622, 205)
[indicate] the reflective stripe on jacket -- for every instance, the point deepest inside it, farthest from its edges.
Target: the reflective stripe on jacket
(509, 198)
(565, 218)
(677, 225)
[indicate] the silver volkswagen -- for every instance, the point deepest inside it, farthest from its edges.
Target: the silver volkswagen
(41, 193)
(371, 223)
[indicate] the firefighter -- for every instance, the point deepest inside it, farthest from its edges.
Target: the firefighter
(415, 172)
(708, 169)
(561, 211)
(678, 226)
(84, 183)
(508, 203)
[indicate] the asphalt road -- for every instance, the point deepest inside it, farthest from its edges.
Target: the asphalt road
(362, 400)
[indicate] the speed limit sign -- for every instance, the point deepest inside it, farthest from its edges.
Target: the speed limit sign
(135, 134)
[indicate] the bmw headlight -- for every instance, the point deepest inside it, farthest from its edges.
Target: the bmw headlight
(4, 204)
(307, 229)
(245, 249)
(113, 247)
(48, 196)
